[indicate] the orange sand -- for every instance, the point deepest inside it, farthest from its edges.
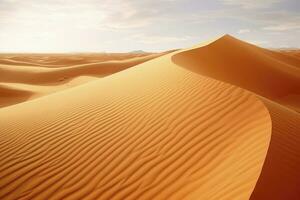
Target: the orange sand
(163, 129)
(24, 77)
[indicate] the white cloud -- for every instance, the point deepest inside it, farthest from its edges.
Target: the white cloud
(129, 14)
(259, 42)
(64, 25)
(242, 31)
(152, 39)
(251, 3)
(283, 27)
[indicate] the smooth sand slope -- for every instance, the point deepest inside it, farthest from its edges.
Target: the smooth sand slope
(154, 131)
(23, 82)
(271, 75)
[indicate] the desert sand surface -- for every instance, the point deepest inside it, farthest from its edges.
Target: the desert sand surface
(270, 74)
(62, 60)
(291, 52)
(26, 76)
(208, 122)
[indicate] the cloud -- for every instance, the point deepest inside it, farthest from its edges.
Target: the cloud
(242, 31)
(140, 24)
(251, 4)
(129, 14)
(259, 42)
(283, 27)
(152, 39)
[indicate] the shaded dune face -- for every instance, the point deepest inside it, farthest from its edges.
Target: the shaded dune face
(280, 176)
(267, 73)
(157, 131)
(10, 96)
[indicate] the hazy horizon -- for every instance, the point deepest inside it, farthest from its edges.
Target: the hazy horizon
(57, 26)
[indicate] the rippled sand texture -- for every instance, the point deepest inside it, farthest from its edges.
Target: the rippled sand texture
(198, 123)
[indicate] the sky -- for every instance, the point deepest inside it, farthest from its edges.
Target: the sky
(149, 25)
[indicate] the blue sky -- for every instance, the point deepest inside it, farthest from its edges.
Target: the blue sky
(150, 25)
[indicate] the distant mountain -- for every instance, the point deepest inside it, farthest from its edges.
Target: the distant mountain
(286, 49)
(138, 52)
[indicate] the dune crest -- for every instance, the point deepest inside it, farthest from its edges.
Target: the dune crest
(267, 73)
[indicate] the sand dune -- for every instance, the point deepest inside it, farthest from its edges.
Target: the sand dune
(294, 52)
(149, 132)
(268, 73)
(63, 60)
(280, 177)
(11, 96)
(42, 75)
(38, 78)
(163, 129)
(20, 92)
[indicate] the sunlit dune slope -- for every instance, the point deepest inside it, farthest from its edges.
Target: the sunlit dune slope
(271, 74)
(155, 131)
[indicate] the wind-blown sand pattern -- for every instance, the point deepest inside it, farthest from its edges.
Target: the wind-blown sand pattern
(164, 128)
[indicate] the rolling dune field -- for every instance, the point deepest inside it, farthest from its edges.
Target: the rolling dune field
(207, 122)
